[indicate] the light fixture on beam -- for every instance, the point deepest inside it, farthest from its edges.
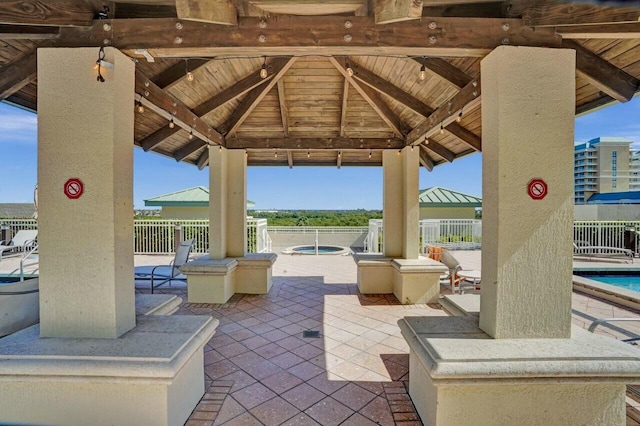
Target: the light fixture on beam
(140, 107)
(423, 73)
(442, 128)
(263, 71)
(191, 134)
(171, 123)
(348, 68)
(189, 74)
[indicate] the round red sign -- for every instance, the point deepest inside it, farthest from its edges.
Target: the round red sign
(537, 189)
(73, 188)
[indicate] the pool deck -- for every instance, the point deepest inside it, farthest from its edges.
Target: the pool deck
(260, 370)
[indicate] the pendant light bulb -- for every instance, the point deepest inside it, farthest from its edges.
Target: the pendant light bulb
(189, 76)
(275, 155)
(191, 134)
(423, 73)
(308, 153)
(172, 124)
(459, 117)
(349, 69)
(140, 107)
(441, 128)
(263, 71)
(370, 151)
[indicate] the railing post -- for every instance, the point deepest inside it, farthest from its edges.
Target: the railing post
(177, 237)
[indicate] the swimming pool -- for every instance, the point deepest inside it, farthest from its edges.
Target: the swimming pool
(626, 281)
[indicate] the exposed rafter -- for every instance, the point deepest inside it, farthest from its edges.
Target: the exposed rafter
(290, 158)
(314, 143)
(17, 74)
(440, 150)
(339, 159)
(550, 13)
(609, 31)
(372, 98)
(602, 74)
(445, 70)
(177, 72)
(25, 32)
(343, 110)
(283, 108)
(425, 159)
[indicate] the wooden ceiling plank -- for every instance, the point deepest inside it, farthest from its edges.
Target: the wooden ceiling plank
(389, 11)
(604, 32)
(343, 111)
(468, 137)
(290, 158)
(305, 144)
(188, 149)
(283, 108)
(177, 72)
(445, 70)
(467, 99)
(17, 74)
(68, 13)
(26, 32)
(425, 159)
(313, 35)
(210, 11)
(183, 117)
(602, 74)
(372, 97)
(440, 150)
(254, 97)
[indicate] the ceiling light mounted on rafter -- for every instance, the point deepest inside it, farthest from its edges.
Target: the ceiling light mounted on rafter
(263, 71)
(140, 107)
(423, 73)
(171, 123)
(191, 134)
(189, 74)
(348, 68)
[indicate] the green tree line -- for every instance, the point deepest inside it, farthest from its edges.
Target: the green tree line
(318, 217)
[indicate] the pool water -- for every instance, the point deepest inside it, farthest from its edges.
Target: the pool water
(321, 249)
(628, 282)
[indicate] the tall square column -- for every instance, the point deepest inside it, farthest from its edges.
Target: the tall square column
(528, 108)
(85, 182)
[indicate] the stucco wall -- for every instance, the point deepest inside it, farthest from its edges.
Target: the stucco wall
(447, 213)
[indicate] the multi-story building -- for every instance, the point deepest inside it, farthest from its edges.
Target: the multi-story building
(604, 165)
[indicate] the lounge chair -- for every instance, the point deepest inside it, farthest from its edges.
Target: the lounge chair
(23, 240)
(167, 273)
(602, 251)
(456, 281)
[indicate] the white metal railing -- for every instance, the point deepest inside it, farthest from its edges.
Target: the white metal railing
(319, 229)
(454, 234)
(619, 234)
(374, 243)
(159, 236)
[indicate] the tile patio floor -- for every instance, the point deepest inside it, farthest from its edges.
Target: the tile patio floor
(260, 370)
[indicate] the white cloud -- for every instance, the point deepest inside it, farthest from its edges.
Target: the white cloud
(18, 127)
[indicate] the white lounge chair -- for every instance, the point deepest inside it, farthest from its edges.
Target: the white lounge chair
(23, 240)
(167, 273)
(456, 281)
(602, 251)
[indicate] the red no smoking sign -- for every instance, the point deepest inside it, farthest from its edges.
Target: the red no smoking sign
(73, 188)
(537, 189)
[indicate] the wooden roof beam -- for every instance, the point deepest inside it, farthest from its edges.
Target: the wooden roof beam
(290, 158)
(468, 98)
(608, 31)
(372, 98)
(17, 74)
(549, 13)
(210, 11)
(322, 35)
(203, 160)
(315, 143)
(177, 72)
(165, 104)
(425, 159)
(283, 108)
(388, 11)
(188, 149)
(343, 111)
(254, 97)
(445, 70)
(26, 32)
(57, 13)
(602, 74)
(439, 149)
(228, 94)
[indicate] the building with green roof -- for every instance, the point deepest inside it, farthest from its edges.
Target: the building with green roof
(442, 203)
(191, 203)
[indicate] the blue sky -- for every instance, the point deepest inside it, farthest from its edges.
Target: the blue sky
(278, 187)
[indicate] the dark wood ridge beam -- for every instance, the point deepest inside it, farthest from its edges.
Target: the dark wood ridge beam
(313, 35)
(350, 163)
(283, 108)
(372, 98)
(467, 99)
(251, 81)
(188, 149)
(550, 13)
(46, 12)
(203, 160)
(445, 70)
(150, 93)
(594, 104)
(415, 104)
(343, 110)
(495, 9)
(314, 143)
(425, 159)
(17, 74)
(254, 97)
(602, 74)
(135, 10)
(25, 32)
(607, 31)
(177, 72)
(440, 150)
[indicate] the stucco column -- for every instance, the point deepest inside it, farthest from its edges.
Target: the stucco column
(400, 203)
(528, 101)
(227, 203)
(85, 131)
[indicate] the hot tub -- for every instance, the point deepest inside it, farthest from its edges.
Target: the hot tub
(321, 249)
(19, 304)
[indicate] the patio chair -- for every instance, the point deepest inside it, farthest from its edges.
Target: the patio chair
(23, 240)
(456, 282)
(603, 251)
(167, 273)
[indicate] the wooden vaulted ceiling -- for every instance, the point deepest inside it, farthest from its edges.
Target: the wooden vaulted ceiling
(343, 76)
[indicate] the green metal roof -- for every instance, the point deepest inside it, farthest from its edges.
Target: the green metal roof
(191, 197)
(442, 197)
